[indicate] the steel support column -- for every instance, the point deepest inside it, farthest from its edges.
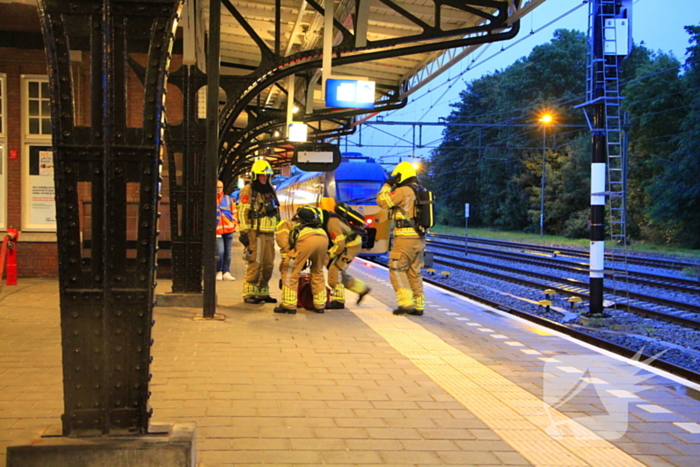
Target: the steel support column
(211, 164)
(186, 148)
(101, 163)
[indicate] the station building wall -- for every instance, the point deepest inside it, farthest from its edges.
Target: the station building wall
(25, 203)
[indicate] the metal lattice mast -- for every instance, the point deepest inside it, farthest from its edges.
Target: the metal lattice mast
(608, 45)
(617, 166)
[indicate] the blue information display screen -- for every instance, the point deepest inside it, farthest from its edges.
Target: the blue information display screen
(349, 94)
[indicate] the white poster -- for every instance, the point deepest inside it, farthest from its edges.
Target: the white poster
(46, 163)
(43, 202)
(40, 200)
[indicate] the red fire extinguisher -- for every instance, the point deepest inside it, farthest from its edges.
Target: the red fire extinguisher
(12, 256)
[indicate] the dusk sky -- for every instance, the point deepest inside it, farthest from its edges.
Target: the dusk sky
(658, 24)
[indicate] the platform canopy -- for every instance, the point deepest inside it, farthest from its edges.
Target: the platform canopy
(413, 40)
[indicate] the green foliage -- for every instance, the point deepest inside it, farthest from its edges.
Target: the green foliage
(676, 189)
(692, 272)
(496, 167)
(576, 226)
(491, 156)
(656, 101)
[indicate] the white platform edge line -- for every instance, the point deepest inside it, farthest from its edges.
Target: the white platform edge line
(586, 345)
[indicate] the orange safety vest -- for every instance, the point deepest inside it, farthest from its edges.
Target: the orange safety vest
(225, 215)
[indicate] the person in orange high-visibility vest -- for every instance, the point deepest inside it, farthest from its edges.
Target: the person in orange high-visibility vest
(225, 227)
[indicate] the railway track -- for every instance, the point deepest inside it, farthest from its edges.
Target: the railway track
(637, 355)
(665, 298)
(669, 310)
(687, 286)
(569, 252)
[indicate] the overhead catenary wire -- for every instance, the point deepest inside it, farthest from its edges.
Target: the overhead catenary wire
(503, 49)
(526, 112)
(523, 112)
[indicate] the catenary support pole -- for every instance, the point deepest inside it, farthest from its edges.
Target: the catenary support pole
(598, 165)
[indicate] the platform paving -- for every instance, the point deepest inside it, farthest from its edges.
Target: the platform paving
(355, 387)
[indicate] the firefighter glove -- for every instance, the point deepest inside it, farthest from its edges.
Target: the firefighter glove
(243, 238)
(393, 180)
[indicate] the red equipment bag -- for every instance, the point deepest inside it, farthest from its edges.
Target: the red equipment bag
(305, 298)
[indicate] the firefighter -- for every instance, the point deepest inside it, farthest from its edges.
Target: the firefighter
(345, 243)
(258, 214)
(282, 232)
(307, 241)
(406, 256)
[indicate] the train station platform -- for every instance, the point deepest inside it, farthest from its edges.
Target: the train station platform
(462, 385)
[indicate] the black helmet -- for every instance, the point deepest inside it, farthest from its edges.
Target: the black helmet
(340, 208)
(308, 215)
(350, 215)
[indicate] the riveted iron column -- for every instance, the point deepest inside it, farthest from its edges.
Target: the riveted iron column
(186, 144)
(107, 176)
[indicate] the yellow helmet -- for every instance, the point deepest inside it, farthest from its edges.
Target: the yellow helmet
(261, 167)
(404, 171)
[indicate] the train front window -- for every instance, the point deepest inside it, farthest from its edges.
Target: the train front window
(358, 192)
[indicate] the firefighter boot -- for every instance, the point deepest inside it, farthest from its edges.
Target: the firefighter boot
(335, 305)
(361, 296)
(281, 309)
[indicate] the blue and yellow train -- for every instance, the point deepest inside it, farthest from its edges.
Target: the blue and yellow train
(356, 182)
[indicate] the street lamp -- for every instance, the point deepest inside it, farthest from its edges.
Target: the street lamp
(545, 119)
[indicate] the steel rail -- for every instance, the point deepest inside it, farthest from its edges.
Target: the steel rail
(639, 278)
(566, 290)
(577, 283)
(577, 253)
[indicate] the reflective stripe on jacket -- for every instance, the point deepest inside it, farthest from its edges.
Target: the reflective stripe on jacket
(247, 219)
(402, 206)
(225, 215)
(282, 232)
(341, 236)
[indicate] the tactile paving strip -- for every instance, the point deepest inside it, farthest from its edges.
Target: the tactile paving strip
(545, 437)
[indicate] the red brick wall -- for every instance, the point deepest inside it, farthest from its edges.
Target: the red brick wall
(37, 259)
(34, 259)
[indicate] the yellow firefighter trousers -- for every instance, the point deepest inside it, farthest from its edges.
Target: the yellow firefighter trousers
(260, 259)
(405, 264)
(308, 247)
(339, 280)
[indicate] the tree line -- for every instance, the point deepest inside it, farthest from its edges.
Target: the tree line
(492, 150)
